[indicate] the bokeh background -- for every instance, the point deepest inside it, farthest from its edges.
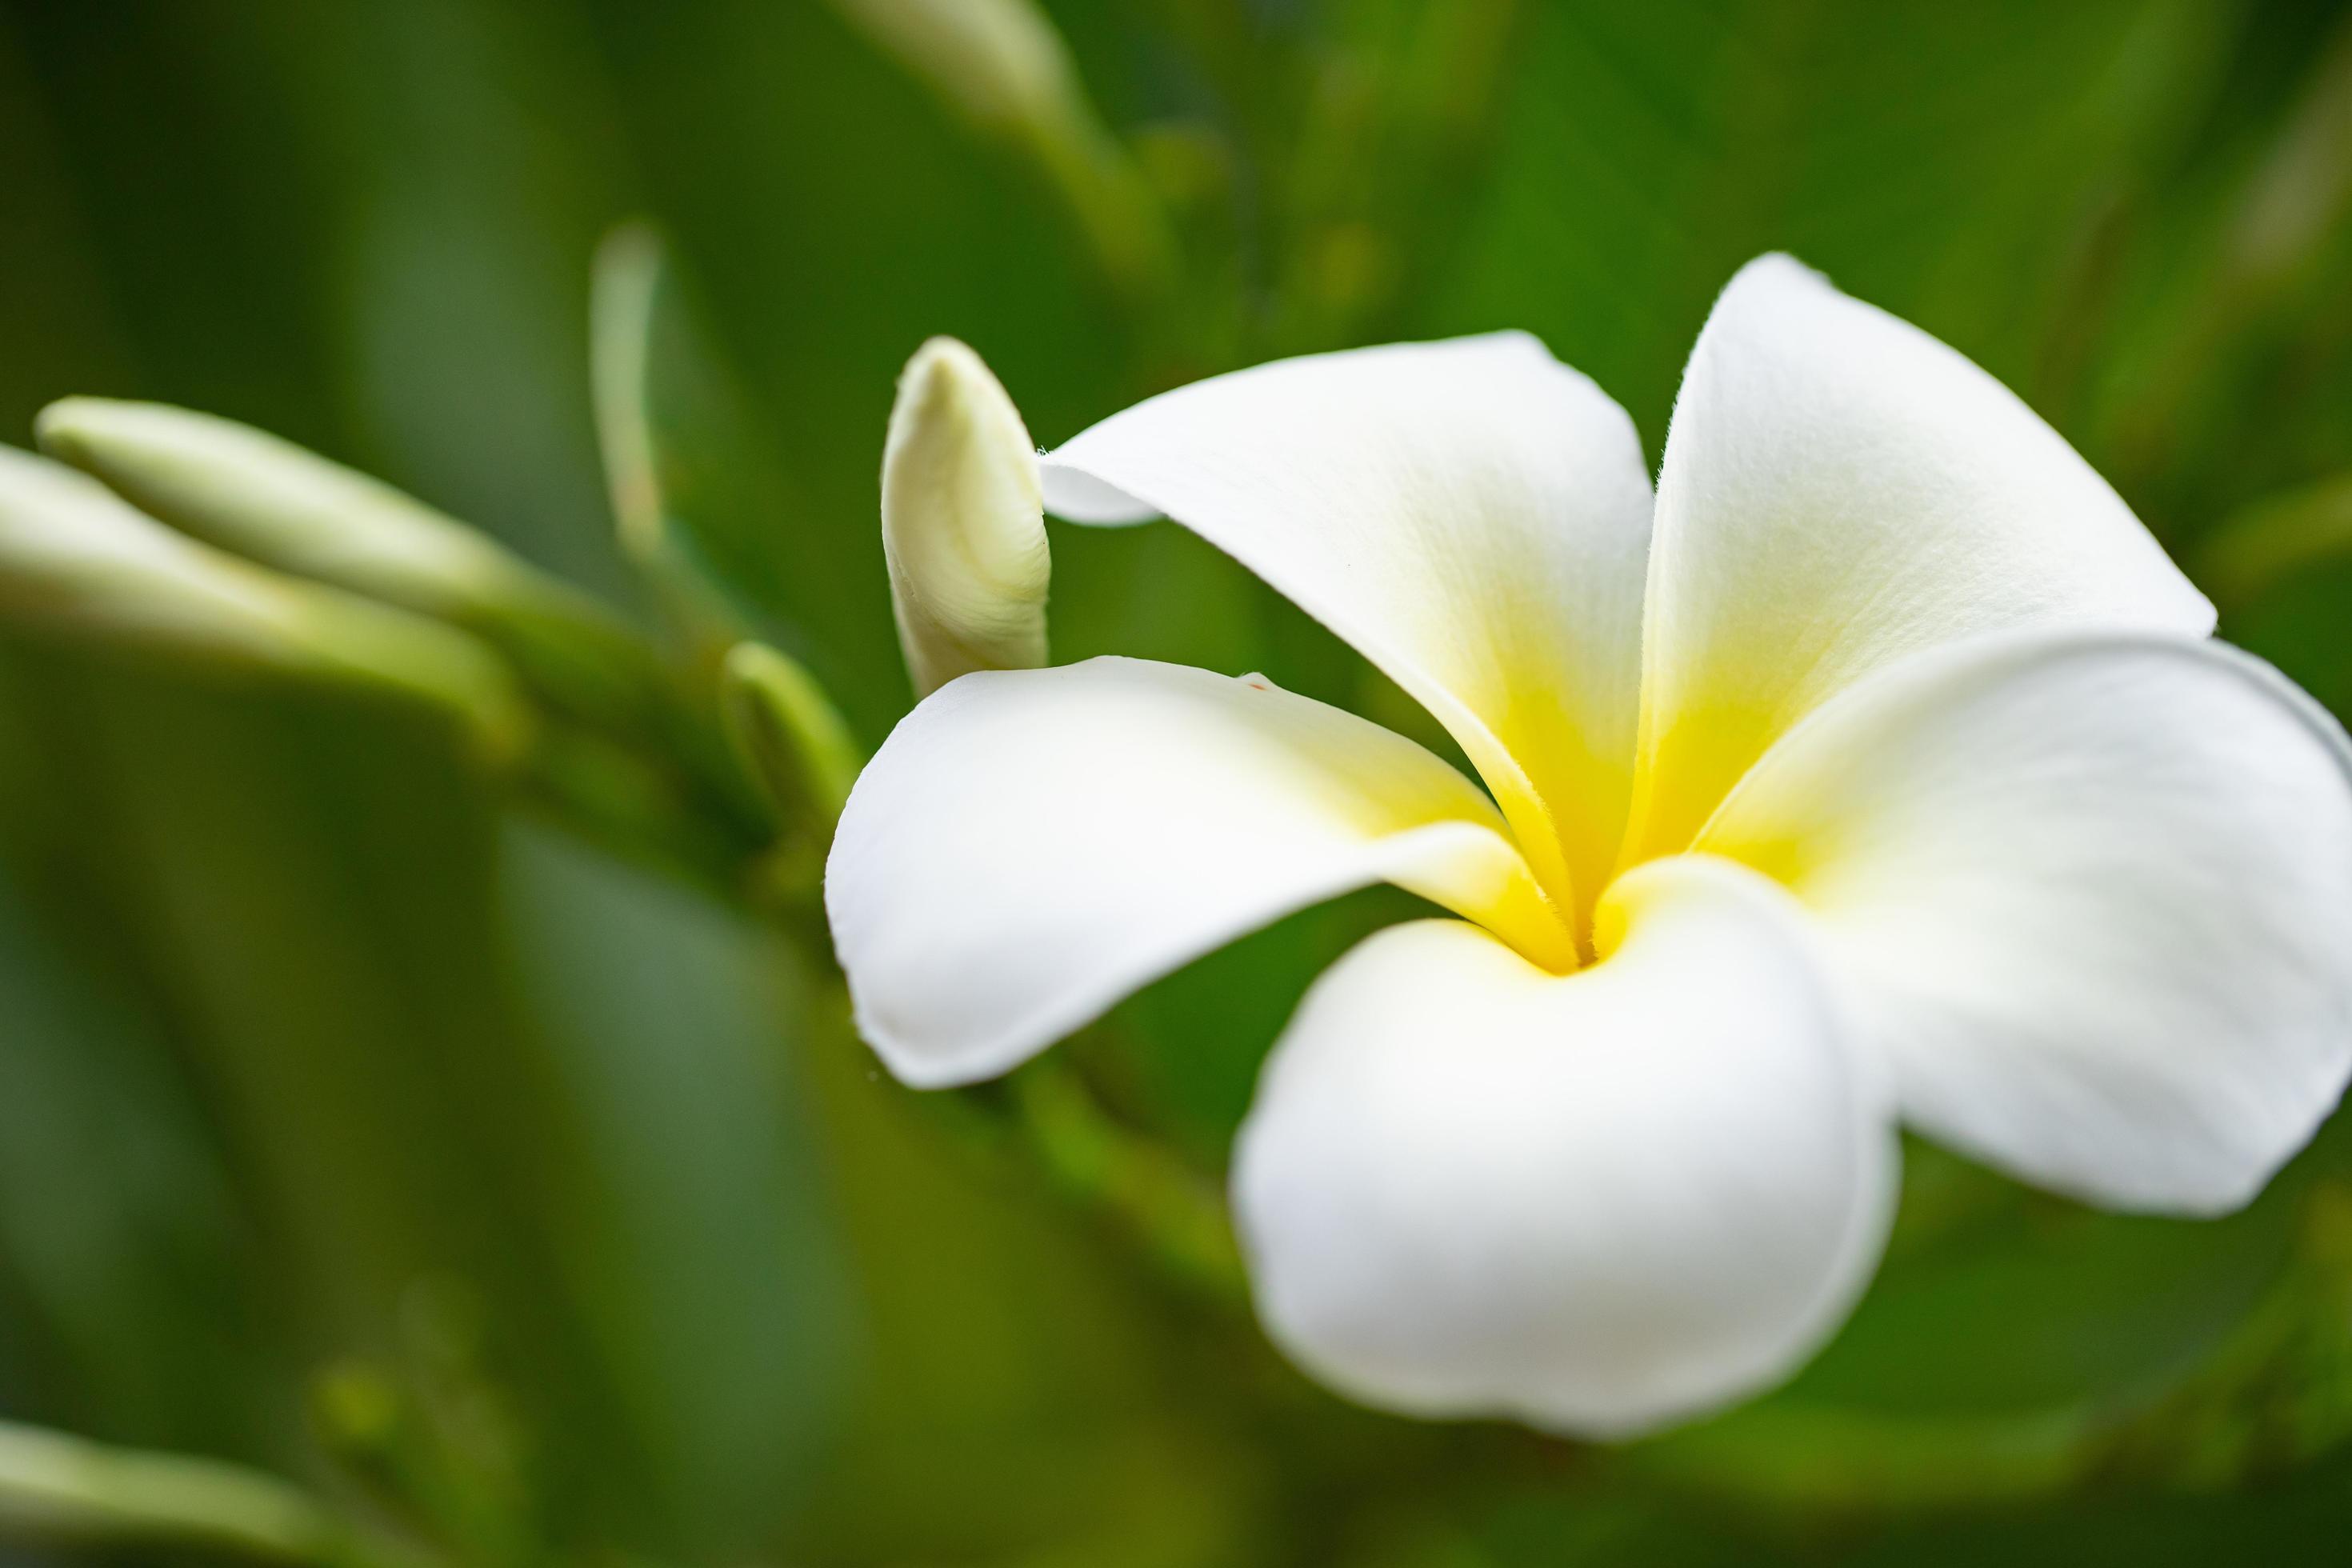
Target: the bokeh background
(361, 1128)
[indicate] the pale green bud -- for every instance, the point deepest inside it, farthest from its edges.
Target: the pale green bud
(963, 521)
(787, 732)
(79, 562)
(999, 63)
(55, 1485)
(265, 499)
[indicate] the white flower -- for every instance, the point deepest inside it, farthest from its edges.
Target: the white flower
(1879, 772)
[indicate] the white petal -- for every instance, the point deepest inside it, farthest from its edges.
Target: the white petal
(962, 522)
(1839, 489)
(1600, 1202)
(1472, 516)
(2094, 892)
(1029, 846)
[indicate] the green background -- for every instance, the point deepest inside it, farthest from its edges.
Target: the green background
(361, 1128)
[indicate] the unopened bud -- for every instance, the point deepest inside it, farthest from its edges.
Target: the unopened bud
(54, 1484)
(998, 62)
(787, 732)
(78, 562)
(963, 522)
(263, 498)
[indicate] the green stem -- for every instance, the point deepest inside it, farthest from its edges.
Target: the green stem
(1165, 1204)
(608, 792)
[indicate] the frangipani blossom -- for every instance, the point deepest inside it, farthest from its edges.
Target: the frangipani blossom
(1879, 771)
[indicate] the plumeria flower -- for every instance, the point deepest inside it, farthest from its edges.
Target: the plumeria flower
(1877, 770)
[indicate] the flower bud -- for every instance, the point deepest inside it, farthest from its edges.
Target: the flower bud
(787, 732)
(998, 62)
(962, 522)
(54, 1486)
(263, 498)
(77, 563)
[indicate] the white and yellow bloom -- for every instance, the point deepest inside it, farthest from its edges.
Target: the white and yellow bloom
(1878, 770)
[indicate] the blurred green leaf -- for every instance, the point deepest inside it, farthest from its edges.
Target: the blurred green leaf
(2273, 542)
(684, 1220)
